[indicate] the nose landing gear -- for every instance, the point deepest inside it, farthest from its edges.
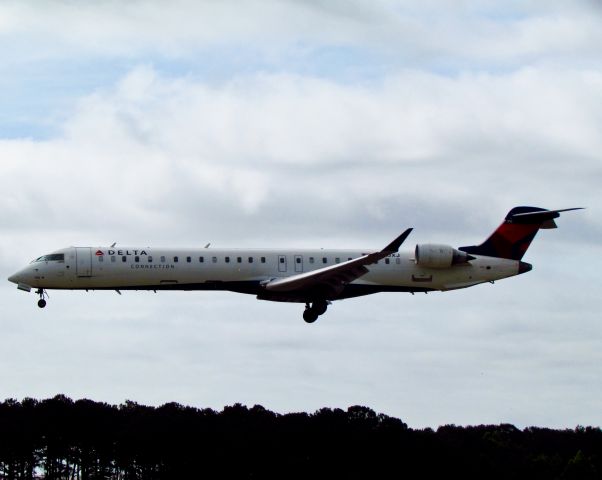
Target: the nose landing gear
(42, 293)
(317, 308)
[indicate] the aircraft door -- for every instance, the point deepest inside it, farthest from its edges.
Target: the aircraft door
(298, 263)
(83, 261)
(282, 263)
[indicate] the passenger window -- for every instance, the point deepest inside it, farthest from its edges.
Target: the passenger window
(124, 258)
(324, 260)
(311, 259)
(250, 259)
(227, 259)
(281, 259)
(397, 260)
(189, 259)
(162, 258)
(214, 259)
(113, 258)
(150, 259)
(298, 260)
(175, 259)
(101, 259)
(337, 260)
(201, 259)
(387, 261)
(136, 259)
(239, 259)
(262, 259)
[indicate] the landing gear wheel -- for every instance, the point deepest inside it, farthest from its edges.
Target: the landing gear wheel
(42, 293)
(313, 311)
(309, 315)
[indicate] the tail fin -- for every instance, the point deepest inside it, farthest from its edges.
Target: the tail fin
(513, 237)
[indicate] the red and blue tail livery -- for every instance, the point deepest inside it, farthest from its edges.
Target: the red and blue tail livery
(513, 237)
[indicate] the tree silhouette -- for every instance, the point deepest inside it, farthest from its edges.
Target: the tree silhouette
(59, 438)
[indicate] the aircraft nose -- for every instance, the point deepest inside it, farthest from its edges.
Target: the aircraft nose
(19, 277)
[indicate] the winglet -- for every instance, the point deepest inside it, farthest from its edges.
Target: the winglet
(395, 244)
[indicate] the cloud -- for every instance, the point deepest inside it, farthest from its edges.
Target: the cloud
(46, 66)
(181, 153)
(482, 31)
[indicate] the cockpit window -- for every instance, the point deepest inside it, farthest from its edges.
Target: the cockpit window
(54, 257)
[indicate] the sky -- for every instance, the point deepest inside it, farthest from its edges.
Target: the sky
(309, 124)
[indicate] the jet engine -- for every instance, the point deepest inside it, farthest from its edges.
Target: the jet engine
(439, 256)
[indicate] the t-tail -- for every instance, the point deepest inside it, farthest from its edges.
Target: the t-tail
(513, 237)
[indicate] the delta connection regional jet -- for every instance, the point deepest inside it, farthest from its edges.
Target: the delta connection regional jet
(313, 277)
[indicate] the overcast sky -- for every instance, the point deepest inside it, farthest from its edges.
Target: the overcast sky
(310, 124)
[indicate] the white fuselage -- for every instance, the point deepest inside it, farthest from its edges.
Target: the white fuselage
(243, 270)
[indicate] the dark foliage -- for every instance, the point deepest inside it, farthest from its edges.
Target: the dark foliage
(60, 438)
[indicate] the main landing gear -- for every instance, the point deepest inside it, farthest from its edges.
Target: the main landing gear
(42, 293)
(317, 308)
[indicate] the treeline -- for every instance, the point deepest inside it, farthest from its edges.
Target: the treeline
(60, 438)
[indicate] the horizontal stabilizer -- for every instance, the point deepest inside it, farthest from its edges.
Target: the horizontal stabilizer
(538, 216)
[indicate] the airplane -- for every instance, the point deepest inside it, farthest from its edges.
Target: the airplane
(314, 277)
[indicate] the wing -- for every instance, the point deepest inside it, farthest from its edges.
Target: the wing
(329, 281)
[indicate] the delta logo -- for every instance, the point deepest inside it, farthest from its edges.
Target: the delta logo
(100, 253)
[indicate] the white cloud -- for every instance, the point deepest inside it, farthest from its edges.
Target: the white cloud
(157, 147)
(480, 31)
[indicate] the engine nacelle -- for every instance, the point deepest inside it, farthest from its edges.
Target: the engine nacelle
(439, 256)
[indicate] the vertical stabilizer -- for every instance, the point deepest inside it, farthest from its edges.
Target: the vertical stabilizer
(513, 237)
